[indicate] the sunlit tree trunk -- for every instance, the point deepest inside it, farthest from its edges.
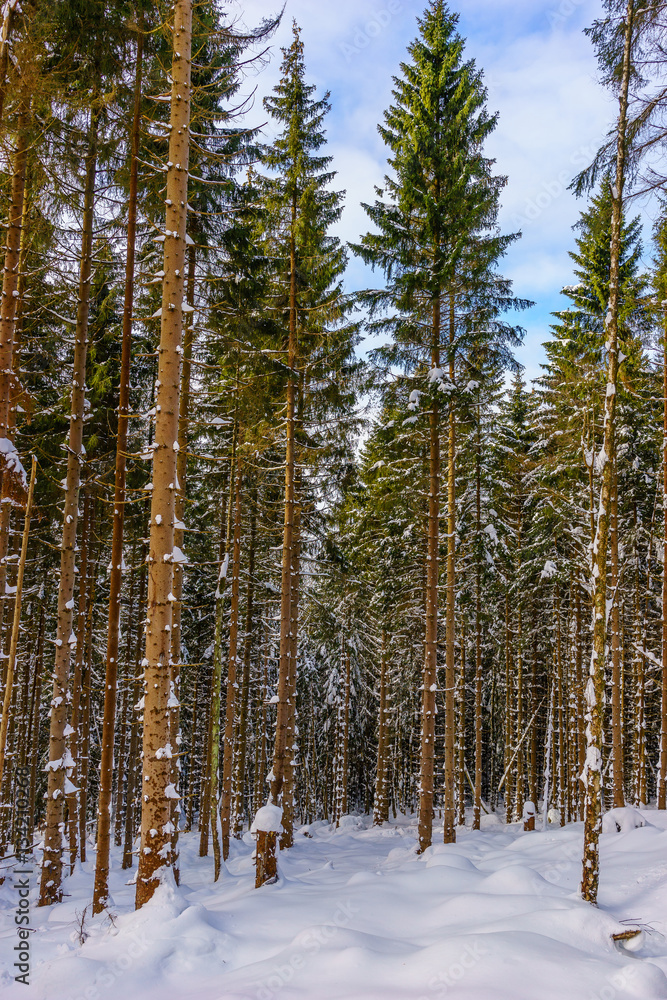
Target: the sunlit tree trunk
(157, 788)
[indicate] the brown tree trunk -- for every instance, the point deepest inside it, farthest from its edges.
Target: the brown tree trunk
(662, 765)
(17, 620)
(479, 677)
(179, 542)
(75, 716)
(381, 804)
(230, 705)
(51, 883)
(430, 674)
(287, 836)
(86, 697)
(241, 743)
(595, 689)
(266, 842)
(157, 788)
(450, 638)
(135, 724)
(101, 886)
(616, 706)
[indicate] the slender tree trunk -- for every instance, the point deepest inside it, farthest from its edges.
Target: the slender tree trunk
(17, 620)
(287, 836)
(662, 765)
(381, 805)
(86, 697)
(9, 304)
(430, 675)
(266, 841)
(79, 659)
(479, 677)
(595, 689)
(241, 742)
(450, 672)
(157, 788)
(36, 702)
(101, 886)
(616, 707)
(51, 884)
(135, 724)
(179, 542)
(232, 685)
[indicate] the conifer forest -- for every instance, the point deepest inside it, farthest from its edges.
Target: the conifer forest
(316, 610)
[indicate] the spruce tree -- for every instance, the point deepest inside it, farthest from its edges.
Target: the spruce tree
(438, 245)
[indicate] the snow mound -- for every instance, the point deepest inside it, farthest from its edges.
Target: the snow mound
(269, 819)
(622, 820)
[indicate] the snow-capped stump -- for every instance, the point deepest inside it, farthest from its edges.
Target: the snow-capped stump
(268, 819)
(529, 813)
(266, 826)
(622, 820)
(553, 817)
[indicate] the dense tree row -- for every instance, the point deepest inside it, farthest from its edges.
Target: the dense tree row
(260, 579)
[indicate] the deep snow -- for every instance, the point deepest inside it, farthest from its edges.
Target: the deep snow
(358, 915)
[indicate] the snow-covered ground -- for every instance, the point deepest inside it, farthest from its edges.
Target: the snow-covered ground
(358, 915)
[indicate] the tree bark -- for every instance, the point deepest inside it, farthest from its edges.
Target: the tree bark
(266, 844)
(157, 788)
(595, 689)
(450, 638)
(232, 685)
(430, 674)
(51, 883)
(662, 765)
(101, 885)
(17, 620)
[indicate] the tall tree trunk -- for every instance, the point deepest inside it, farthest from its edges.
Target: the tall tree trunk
(51, 884)
(430, 675)
(232, 685)
(595, 689)
(32, 739)
(241, 742)
(287, 836)
(157, 787)
(266, 841)
(79, 659)
(616, 706)
(450, 638)
(479, 677)
(17, 620)
(9, 304)
(86, 698)
(381, 803)
(662, 765)
(135, 724)
(101, 886)
(179, 542)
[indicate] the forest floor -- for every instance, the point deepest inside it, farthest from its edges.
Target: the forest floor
(358, 915)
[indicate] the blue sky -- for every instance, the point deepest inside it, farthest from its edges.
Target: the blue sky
(542, 77)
